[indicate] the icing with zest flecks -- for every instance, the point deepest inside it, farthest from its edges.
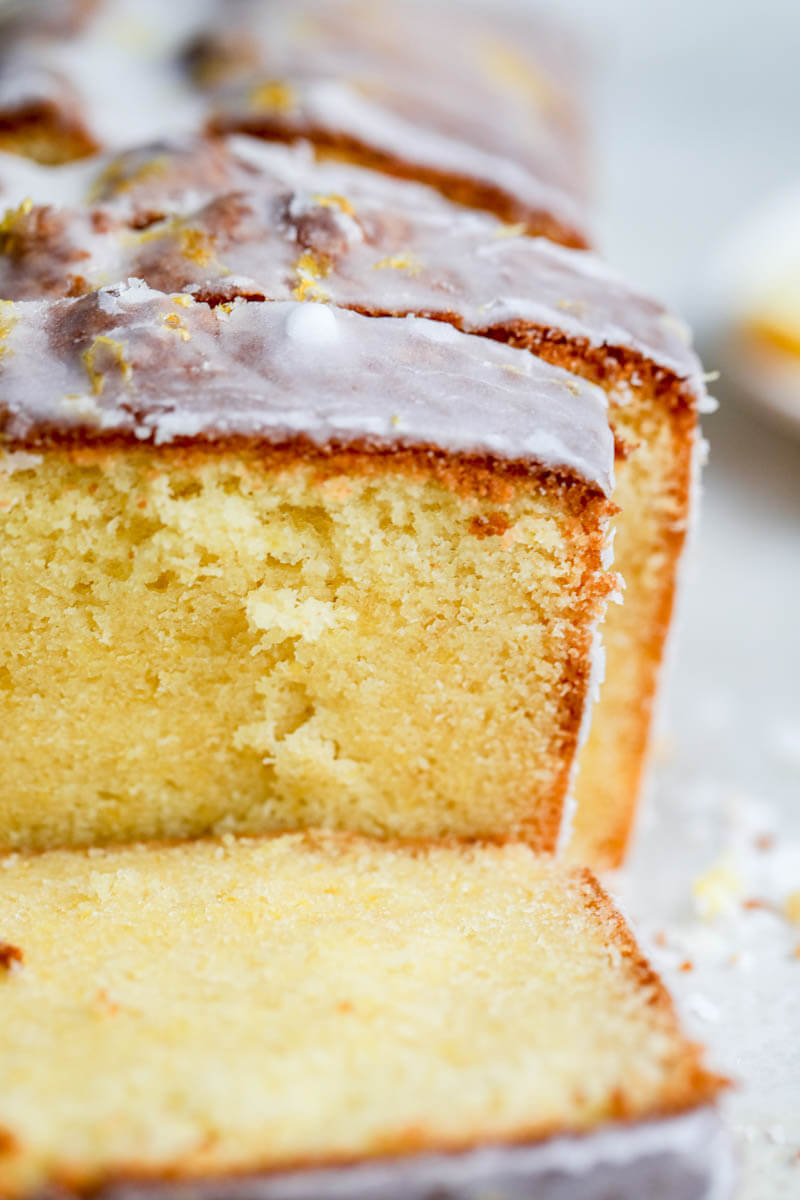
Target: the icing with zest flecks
(110, 362)
(326, 107)
(387, 245)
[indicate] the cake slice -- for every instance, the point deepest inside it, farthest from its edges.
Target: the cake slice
(311, 1015)
(270, 565)
(493, 124)
(243, 218)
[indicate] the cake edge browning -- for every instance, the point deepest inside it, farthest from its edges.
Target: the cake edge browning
(466, 473)
(688, 1156)
(604, 843)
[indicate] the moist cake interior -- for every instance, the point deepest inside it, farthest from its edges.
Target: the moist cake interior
(238, 639)
(258, 1003)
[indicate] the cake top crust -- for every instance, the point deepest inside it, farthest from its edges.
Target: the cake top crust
(132, 361)
(242, 217)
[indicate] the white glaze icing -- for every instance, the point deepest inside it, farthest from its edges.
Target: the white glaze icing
(495, 112)
(333, 106)
(459, 262)
(162, 370)
(122, 66)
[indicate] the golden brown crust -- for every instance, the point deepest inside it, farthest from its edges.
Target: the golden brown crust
(604, 842)
(65, 1184)
(607, 366)
(480, 475)
(695, 1084)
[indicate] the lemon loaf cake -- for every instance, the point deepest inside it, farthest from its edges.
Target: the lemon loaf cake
(240, 218)
(493, 124)
(281, 564)
(198, 1015)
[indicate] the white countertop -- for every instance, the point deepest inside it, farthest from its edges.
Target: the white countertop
(697, 114)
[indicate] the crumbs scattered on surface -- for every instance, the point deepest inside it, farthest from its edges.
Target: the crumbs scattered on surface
(717, 890)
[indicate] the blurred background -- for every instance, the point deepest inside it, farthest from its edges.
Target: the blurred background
(696, 112)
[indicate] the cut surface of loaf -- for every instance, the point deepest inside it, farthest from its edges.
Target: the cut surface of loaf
(260, 1005)
(242, 218)
(272, 565)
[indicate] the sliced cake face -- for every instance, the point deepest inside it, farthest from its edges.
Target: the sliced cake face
(267, 566)
(262, 1004)
(493, 125)
(242, 218)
